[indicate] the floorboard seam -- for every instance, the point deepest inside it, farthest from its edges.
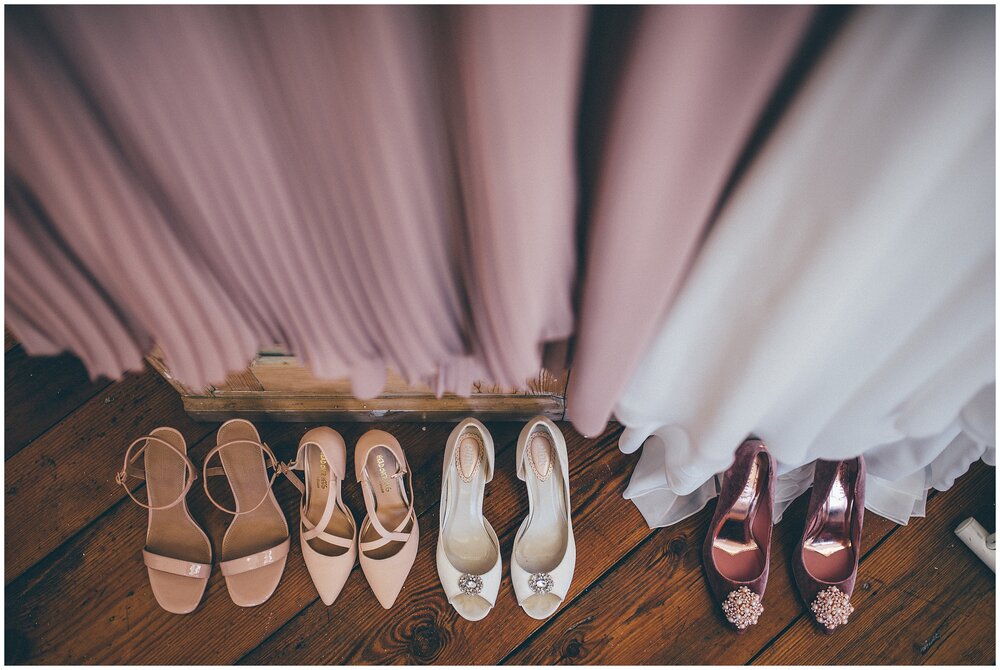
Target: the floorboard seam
(58, 421)
(565, 608)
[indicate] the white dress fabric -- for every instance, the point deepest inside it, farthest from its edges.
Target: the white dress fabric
(844, 302)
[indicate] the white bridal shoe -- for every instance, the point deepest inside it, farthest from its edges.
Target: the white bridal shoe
(468, 552)
(327, 532)
(544, 555)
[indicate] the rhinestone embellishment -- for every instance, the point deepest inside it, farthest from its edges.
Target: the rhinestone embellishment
(832, 607)
(470, 585)
(541, 582)
(742, 607)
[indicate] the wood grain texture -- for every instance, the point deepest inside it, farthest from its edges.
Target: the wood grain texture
(90, 602)
(77, 590)
(925, 598)
(655, 606)
(423, 627)
(64, 479)
(39, 392)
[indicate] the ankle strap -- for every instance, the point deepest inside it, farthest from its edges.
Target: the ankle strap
(129, 469)
(275, 464)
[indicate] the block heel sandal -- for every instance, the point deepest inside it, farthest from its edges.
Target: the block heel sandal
(178, 554)
(255, 546)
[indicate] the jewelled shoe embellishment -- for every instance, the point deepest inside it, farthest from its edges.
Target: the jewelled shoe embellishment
(541, 582)
(470, 585)
(832, 607)
(742, 607)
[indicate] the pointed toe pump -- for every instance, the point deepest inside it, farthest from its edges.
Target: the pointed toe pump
(255, 546)
(544, 555)
(468, 551)
(178, 554)
(389, 534)
(327, 532)
(737, 551)
(825, 563)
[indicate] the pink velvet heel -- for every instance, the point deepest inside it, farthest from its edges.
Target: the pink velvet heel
(737, 550)
(826, 559)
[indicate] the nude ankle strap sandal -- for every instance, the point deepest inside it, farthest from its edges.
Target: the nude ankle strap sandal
(327, 532)
(255, 546)
(178, 554)
(544, 556)
(389, 535)
(468, 551)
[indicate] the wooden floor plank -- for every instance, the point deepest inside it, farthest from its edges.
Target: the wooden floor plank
(90, 602)
(64, 479)
(39, 392)
(423, 627)
(929, 601)
(655, 607)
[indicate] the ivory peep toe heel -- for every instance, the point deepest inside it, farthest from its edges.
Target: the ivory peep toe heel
(255, 546)
(389, 534)
(468, 551)
(544, 555)
(327, 532)
(178, 554)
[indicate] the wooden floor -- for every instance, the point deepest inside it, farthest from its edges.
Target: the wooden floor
(77, 590)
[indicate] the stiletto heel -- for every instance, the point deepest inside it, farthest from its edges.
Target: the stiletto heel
(544, 556)
(389, 535)
(178, 555)
(327, 532)
(468, 551)
(255, 546)
(737, 550)
(826, 559)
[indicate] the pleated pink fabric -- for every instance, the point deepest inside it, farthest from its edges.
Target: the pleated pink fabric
(696, 83)
(370, 187)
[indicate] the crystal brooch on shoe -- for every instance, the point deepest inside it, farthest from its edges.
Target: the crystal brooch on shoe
(832, 607)
(742, 607)
(470, 585)
(541, 582)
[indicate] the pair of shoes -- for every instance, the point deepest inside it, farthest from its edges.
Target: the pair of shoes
(178, 554)
(330, 539)
(736, 554)
(468, 551)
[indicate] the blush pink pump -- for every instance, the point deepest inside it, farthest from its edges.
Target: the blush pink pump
(327, 533)
(389, 534)
(737, 552)
(825, 563)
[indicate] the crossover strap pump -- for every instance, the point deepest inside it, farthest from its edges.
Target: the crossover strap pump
(334, 503)
(177, 554)
(327, 532)
(389, 535)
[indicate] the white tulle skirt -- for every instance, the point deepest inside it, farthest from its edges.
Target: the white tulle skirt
(844, 303)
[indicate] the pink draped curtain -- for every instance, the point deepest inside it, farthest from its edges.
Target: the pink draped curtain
(372, 187)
